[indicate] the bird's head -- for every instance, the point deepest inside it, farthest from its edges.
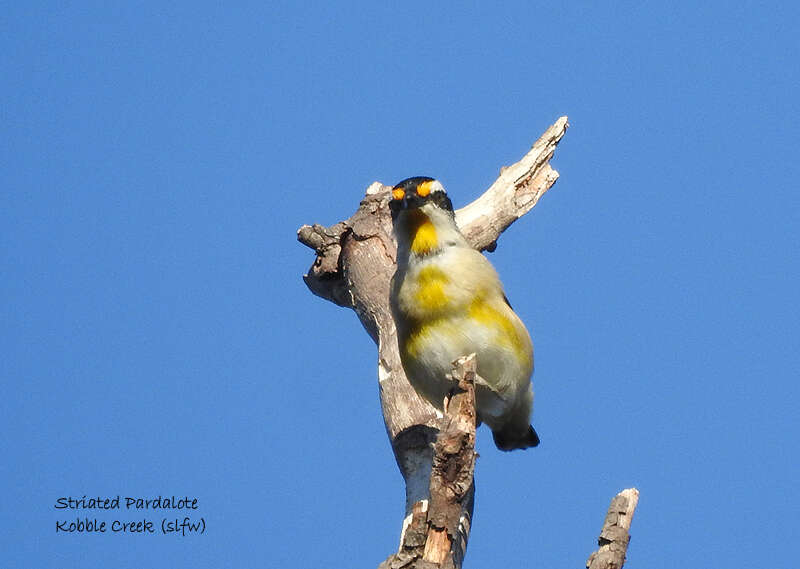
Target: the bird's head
(419, 192)
(423, 216)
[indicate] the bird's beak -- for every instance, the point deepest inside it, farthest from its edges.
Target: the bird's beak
(411, 201)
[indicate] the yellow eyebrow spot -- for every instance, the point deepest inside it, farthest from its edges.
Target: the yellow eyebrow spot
(398, 194)
(424, 189)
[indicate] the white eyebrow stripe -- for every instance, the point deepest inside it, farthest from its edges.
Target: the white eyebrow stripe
(436, 186)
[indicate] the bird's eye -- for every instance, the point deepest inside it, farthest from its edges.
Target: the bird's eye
(398, 194)
(424, 189)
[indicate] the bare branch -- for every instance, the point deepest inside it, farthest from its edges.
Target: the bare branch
(615, 536)
(514, 193)
(438, 531)
(353, 268)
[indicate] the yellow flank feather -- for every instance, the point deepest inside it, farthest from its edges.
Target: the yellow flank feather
(412, 344)
(487, 315)
(430, 293)
(417, 337)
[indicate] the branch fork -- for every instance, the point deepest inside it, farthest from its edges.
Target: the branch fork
(355, 260)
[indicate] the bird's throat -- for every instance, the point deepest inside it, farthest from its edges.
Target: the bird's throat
(422, 232)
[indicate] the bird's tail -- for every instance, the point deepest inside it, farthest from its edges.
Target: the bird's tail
(509, 438)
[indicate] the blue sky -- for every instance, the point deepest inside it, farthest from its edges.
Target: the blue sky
(157, 338)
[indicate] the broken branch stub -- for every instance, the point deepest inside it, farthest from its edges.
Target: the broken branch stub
(438, 530)
(615, 537)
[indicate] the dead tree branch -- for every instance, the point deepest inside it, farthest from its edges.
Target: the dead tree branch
(354, 265)
(615, 536)
(438, 532)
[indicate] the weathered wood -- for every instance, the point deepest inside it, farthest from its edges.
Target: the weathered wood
(514, 193)
(615, 535)
(438, 531)
(452, 478)
(354, 265)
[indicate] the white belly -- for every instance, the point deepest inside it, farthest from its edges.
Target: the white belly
(500, 367)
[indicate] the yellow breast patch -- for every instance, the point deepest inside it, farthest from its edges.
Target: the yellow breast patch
(430, 294)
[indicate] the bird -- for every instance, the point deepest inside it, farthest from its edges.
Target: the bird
(447, 301)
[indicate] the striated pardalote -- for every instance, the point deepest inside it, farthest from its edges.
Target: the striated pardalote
(447, 301)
